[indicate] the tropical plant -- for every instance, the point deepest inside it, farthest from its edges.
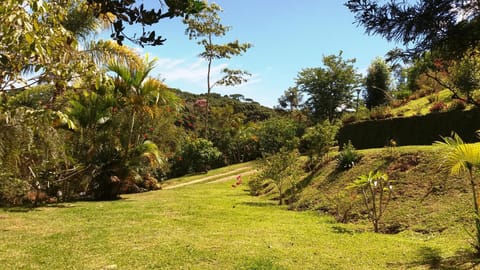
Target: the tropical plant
(463, 158)
(126, 106)
(32, 154)
(347, 158)
(376, 189)
(290, 99)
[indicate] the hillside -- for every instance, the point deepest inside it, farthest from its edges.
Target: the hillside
(426, 199)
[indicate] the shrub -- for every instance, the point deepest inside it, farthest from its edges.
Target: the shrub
(317, 140)
(376, 189)
(380, 112)
(196, 155)
(397, 103)
(275, 133)
(347, 157)
(402, 94)
(349, 118)
(438, 107)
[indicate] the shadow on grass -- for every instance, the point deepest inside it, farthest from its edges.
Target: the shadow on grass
(306, 181)
(19, 209)
(432, 259)
(341, 230)
(258, 264)
(259, 204)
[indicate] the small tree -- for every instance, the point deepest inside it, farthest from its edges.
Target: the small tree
(290, 99)
(318, 139)
(204, 26)
(277, 133)
(377, 84)
(280, 170)
(376, 189)
(463, 158)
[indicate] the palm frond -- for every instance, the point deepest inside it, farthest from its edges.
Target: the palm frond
(457, 155)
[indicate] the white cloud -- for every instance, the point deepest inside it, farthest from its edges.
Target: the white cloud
(176, 71)
(192, 76)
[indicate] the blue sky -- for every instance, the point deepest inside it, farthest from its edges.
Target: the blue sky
(287, 36)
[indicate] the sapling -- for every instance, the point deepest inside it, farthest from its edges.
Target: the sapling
(376, 189)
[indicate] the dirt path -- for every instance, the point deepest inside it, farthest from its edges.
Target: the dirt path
(204, 179)
(232, 177)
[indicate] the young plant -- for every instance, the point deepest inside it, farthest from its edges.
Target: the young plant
(347, 157)
(376, 189)
(281, 171)
(463, 158)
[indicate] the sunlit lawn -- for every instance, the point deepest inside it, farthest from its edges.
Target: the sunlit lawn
(205, 226)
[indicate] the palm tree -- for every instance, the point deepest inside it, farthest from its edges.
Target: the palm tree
(463, 158)
(134, 90)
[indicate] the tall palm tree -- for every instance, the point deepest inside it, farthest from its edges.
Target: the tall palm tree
(463, 158)
(136, 92)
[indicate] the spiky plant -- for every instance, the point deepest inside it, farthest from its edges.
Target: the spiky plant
(463, 158)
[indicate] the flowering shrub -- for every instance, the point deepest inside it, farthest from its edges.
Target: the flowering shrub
(376, 189)
(438, 107)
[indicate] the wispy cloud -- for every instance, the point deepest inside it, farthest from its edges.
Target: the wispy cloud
(192, 76)
(179, 70)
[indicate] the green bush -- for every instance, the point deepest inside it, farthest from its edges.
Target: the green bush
(277, 133)
(402, 94)
(347, 157)
(317, 140)
(196, 155)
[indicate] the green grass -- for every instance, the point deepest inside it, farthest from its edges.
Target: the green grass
(213, 175)
(209, 226)
(421, 106)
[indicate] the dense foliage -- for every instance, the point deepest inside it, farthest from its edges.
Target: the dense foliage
(447, 26)
(377, 84)
(330, 88)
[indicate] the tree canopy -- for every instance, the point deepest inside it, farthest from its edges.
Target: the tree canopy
(330, 87)
(447, 26)
(377, 84)
(130, 12)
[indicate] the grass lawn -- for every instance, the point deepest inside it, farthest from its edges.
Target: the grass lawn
(208, 226)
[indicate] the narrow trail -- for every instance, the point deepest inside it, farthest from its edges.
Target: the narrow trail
(231, 177)
(204, 179)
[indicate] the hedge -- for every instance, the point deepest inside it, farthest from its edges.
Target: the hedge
(416, 130)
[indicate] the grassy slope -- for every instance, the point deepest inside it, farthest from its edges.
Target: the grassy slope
(210, 226)
(426, 199)
(421, 105)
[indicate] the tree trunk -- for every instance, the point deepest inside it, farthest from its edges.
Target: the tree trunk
(475, 205)
(209, 88)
